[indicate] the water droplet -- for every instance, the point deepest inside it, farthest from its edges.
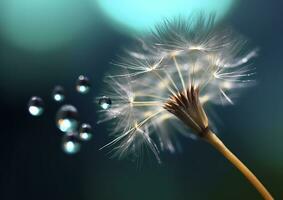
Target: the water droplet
(71, 143)
(35, 106)
(58, 94)
(83, 85)
(67, 118)
(85, 132)
(105, 102)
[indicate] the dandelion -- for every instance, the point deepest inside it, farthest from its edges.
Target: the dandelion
(168, 81)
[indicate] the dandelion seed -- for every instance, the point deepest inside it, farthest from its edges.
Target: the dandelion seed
(184, 66)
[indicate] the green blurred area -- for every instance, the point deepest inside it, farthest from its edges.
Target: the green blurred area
(40, 25)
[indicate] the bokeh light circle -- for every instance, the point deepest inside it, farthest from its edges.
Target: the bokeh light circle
(142, 15)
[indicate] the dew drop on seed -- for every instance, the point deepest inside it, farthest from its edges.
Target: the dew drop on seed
(58, 94)
(71, 143)
(35, 106)
(85, 132)
(67, 118)
(105, 102)
(83, 84)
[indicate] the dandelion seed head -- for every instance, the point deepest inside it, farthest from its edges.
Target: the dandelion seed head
(164, 83)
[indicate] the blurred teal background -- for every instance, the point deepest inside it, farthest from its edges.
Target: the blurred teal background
(46, 43)
(43, 25)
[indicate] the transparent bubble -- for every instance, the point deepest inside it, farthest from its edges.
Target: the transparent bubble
(58, 94)
(35, 106)
(67, 118)
(105, 102)
(83, 85)
(71, 143)
(85, 132)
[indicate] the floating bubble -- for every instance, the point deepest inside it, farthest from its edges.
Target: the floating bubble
(105, 102)
(71, 143)
(83, 85)
(35, 106)
(67, 118)
(85, 132)
(58, 94)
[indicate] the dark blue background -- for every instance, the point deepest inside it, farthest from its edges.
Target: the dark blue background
(33, 165)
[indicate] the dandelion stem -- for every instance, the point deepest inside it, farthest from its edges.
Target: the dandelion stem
(218, 144)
